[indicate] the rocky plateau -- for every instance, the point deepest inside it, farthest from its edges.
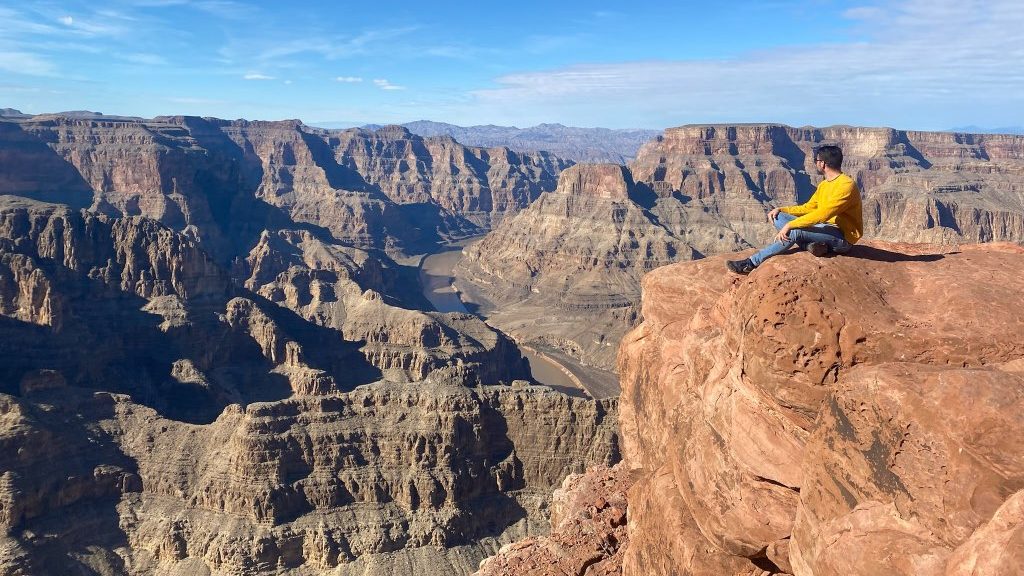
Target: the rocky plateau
(856, 415)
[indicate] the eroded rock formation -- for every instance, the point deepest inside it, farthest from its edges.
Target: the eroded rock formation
(347, 289)
(703, 190)
(918, 186)
(480, 184)
(223, 182)
(580, 252)
(589, 535)
(159, 416)
(849, 415)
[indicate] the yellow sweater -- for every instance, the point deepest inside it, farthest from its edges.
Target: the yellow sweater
(835, 202)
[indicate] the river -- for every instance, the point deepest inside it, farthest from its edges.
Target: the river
(436, 280)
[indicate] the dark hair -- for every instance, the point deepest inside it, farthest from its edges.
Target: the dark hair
(831, 155)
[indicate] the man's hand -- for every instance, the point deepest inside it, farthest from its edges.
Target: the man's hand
(783, 235)
(773, 214)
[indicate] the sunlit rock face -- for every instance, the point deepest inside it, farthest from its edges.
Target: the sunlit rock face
(803, 418)
(209, 365)
(566, 271)
(224, 181)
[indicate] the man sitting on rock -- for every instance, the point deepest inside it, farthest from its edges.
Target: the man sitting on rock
(830, 221)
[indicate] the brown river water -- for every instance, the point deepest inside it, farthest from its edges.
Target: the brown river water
(436, 277)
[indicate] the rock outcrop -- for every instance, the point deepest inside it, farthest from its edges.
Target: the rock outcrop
(848, 415)
(386, 479)
(347, 289)
(588, 536)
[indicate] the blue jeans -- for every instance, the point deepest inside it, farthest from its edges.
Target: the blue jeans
(827, 234)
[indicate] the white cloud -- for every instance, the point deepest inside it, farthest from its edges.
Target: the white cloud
(67, 20)
(257, 76)
(385, 85)
(917, 63)
(330, 47)
(26, 63)
(348, 79)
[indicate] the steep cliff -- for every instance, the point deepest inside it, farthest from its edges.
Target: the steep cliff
(848, 415)
(156, 417)
(481, 184)
(386, 479)
(579, 252)
(223, 182)
(347, 289)
(703, 190)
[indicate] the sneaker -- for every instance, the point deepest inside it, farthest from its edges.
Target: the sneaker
(744, 266)
(819, 249)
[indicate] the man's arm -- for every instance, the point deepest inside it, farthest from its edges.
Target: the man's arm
(832, 205)
(805, 208)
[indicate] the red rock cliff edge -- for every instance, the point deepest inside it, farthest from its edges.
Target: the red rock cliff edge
(851, 415)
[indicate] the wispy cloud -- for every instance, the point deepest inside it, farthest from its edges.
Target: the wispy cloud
(144, 58)
(385, 85)
(26, 63)
(329, 47)
(257, 76)
(348, 79)
(915, 60)
(193, 100)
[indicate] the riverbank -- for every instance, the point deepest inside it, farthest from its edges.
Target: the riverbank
(548, 367)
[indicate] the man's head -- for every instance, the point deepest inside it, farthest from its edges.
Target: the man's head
(828, 156)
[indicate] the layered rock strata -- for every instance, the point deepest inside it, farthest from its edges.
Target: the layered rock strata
(588, 536)
(127, 305)
(157, 418)
(703, 190)
(579, 252)
(386, 479)
(481, 184)
(223, 182)
(346, 289)
(918, 186)
(576, 144)
(849, 415)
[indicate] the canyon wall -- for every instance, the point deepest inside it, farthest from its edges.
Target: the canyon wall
(225, 181)
(163, 413)
(702, 190)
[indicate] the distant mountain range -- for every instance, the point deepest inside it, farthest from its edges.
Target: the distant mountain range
(979, 130)
(577, 144)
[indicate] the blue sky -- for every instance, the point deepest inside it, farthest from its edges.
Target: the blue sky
(908, 64)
